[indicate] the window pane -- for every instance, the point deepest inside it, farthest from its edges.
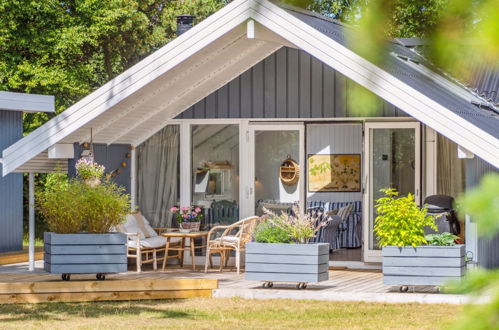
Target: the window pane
(215, 171)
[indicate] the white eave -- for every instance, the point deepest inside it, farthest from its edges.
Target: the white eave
(140, 101)
(26, 102)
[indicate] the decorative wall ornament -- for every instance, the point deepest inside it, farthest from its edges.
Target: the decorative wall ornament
(334, 173)
(289, 172)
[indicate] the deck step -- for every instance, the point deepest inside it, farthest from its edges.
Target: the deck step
(79, 291)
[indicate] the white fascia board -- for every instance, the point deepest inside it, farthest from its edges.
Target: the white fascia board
(376, 80)
(126, 84)
(26, 102)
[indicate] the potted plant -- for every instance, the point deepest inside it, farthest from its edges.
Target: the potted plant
(79, 215)
(89, 171)
(410, 257)
(281, 250)
(188, 217)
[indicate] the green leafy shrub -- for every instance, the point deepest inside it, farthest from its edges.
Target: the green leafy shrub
(71, 206)
(298, 227)
(267, 232)
(400, 221)
(443, 239)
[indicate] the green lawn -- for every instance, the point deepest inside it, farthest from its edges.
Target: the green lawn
(207, 313)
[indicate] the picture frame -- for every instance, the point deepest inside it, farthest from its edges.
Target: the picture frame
(334, 172)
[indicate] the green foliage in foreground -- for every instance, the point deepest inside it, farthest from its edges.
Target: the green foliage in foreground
(208, 313)
(400, 221)
(71, 206)
(267, 232)
(482, 204)
(442, 239)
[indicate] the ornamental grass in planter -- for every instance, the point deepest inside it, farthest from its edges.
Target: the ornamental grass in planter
(79, 215)
(410, 257)
(281, 251)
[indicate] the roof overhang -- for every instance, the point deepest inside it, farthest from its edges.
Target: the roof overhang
(139, 102)
(26, 102)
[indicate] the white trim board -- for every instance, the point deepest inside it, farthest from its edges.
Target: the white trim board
(26, 102)
(169, 60)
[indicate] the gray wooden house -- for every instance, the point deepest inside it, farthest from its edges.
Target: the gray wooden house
(214, 116)
(12, 107)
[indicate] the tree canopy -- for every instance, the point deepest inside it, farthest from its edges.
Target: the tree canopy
(69, 48)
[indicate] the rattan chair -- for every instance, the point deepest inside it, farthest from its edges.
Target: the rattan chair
(233, 238)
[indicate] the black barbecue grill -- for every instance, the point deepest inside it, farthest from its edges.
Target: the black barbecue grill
(443, 205)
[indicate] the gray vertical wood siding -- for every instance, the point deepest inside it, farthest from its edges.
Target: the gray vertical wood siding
(11, 186)
(111, 157)
(488, 249)
(287, 84)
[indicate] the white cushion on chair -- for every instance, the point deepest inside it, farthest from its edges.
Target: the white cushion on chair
(229, 239)
(152, 242)
(131, 226)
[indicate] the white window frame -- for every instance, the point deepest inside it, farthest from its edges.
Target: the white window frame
(371, 255)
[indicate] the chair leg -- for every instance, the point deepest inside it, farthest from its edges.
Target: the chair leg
(238, 261)
(155, 260)
(227, 257)
(208, 259)
(222, 260)
(139, 260)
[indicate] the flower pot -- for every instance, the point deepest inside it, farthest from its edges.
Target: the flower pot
(93, 182)
(85, 253)
(187, 227)
(281, 262)
(423, 265)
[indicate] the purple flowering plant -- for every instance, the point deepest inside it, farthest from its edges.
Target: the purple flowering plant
(88, 169)
(187, 213)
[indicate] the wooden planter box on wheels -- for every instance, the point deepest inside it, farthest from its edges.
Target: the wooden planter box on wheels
(279, 262)
(423, 265)
(99, 254)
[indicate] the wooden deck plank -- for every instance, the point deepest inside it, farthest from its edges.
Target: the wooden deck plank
(15, 257)
(100, 296)
(108, 285)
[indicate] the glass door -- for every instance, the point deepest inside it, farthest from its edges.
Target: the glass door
(392, 160)
(275, 167)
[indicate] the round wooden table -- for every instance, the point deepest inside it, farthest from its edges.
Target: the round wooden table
(192, 245)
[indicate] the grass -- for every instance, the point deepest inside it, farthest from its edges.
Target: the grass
(207, 313)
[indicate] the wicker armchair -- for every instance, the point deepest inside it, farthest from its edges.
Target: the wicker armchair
(234, 237)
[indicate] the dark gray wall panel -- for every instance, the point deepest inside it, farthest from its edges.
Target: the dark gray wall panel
(11, 186)
(488, 249)
(287, 84)
(111, 157)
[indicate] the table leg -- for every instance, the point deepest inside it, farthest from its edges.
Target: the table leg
(165, 256)
(182, 253)
(193, 253)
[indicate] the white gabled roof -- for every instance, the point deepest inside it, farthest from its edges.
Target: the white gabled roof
(26, 102)
(139, 102)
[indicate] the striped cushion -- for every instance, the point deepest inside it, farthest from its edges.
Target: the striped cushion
(345, 211)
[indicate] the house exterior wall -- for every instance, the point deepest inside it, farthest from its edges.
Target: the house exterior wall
(11, 186)
(324, 139)
(287, 84)
(488, 249)
(111, 157)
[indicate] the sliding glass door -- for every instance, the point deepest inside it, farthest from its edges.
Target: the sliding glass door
(392, 160)
(274, 159)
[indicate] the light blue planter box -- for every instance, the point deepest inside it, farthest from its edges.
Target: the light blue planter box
(287, 262)
(423, 265)
(85, 253)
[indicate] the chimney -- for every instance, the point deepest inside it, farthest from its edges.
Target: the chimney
(184, 23)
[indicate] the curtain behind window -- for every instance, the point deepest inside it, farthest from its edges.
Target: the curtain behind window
(450, 169)
(157, 176)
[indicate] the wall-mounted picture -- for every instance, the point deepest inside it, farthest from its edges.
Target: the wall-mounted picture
(334, 173)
